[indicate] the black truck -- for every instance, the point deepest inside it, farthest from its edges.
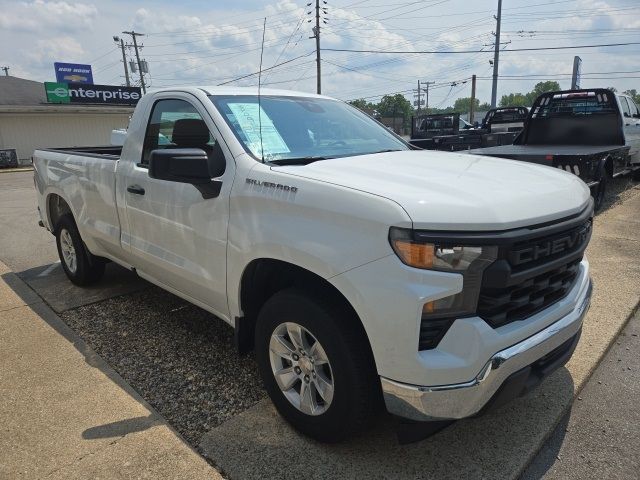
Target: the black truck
(590, 133)
(449, 132)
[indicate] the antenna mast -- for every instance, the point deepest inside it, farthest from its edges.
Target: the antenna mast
(264, 27)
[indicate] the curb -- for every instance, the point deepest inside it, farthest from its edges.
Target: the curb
(17, 169)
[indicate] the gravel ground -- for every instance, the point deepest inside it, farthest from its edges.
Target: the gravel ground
(618, 190)
(180, 358)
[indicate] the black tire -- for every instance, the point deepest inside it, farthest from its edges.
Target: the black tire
(600, 191)
(636, 175)
(88, 268)
(356, 394)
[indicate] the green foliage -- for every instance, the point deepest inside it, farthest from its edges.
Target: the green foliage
(394, 106)
(515, 100)
(362, 104)
(527, 99)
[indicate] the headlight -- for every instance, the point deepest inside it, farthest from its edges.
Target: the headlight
(418, 251)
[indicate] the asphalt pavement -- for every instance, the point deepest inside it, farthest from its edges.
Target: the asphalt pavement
(600, 436)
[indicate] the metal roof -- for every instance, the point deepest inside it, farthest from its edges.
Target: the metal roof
(18, 91)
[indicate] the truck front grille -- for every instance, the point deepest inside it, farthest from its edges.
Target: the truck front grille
(500, 306)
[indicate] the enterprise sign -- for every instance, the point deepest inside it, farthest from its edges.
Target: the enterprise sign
(58, 92)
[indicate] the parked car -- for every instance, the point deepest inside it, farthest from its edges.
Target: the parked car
(592, 133)
(361, 272)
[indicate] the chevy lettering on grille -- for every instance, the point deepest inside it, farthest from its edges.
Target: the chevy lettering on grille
(568, 242)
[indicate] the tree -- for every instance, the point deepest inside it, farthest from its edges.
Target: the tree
(394, 106)
(527, 99)
(543, 87)
(362, 104)
(514, 100)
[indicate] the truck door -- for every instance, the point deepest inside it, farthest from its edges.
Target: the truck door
(631, 121)
(176, 236)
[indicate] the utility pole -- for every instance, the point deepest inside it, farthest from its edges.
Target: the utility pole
(135, 46)
(6, 71)
(418, 97)
(496, 56)
(473, 99)
(316, 35)
(426, 97)
(124, 59)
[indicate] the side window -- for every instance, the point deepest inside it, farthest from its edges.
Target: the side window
(633, 107)
(175, 124)
(625, 107)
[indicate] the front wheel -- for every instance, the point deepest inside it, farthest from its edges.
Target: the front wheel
(80, 266)
(316, 365)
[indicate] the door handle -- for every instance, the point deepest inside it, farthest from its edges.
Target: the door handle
(135, 189)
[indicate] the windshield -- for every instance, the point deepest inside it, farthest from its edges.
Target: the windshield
(303, 129)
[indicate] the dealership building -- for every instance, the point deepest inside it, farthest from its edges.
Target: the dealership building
(29, 121)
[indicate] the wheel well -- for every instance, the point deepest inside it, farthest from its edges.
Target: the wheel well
(57, 207)
(263, 278)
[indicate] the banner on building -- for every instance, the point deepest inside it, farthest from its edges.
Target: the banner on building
(60, 92)
(73, 72)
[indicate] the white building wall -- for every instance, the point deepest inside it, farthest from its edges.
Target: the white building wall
(27, 132)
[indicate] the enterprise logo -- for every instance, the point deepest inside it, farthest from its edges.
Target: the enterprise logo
(58, 92)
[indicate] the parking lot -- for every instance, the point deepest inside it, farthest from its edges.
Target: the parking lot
(181, 360)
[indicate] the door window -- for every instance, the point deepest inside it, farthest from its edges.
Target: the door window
(625, 107)
(633, 107)
(176, 124)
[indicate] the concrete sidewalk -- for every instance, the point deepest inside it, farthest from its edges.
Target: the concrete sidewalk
(64, 413)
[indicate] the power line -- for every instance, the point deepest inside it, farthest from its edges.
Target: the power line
(264, 70)
(566, 47)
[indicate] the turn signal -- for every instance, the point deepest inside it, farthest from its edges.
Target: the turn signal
(419, 255)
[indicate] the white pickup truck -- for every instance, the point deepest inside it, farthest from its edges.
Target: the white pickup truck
(363, 273)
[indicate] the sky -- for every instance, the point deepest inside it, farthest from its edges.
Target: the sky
(208, 42)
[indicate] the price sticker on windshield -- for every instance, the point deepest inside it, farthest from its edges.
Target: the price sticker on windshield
(263, 139)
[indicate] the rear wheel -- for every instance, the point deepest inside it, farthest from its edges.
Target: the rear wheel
(80, 266)
(316, 365)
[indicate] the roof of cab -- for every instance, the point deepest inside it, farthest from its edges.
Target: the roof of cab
(216, 90)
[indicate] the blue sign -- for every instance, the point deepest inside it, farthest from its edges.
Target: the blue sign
(73, 72)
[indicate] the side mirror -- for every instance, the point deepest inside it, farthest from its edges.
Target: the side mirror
(188, 165)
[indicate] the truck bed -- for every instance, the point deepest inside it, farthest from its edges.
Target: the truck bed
(513, 151)
(108, 152)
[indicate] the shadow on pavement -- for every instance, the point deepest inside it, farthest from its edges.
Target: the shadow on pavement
(121, 427)
(549, 453)
(51, 283)
(259, 444)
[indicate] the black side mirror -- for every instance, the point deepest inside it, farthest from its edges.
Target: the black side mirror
(188, 165)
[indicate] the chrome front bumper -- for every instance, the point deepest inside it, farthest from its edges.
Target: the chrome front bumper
(460, 400)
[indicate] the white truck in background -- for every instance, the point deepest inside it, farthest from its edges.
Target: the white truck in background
(361, 272)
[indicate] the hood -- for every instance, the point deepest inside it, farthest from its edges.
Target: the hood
(450, 191)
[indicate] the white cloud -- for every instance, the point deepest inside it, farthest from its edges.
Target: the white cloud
(42, 16)
(186, 43)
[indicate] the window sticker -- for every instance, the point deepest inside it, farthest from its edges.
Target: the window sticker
(247, 119)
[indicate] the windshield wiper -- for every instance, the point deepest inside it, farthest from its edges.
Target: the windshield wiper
(298, 160)
(387, 151)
